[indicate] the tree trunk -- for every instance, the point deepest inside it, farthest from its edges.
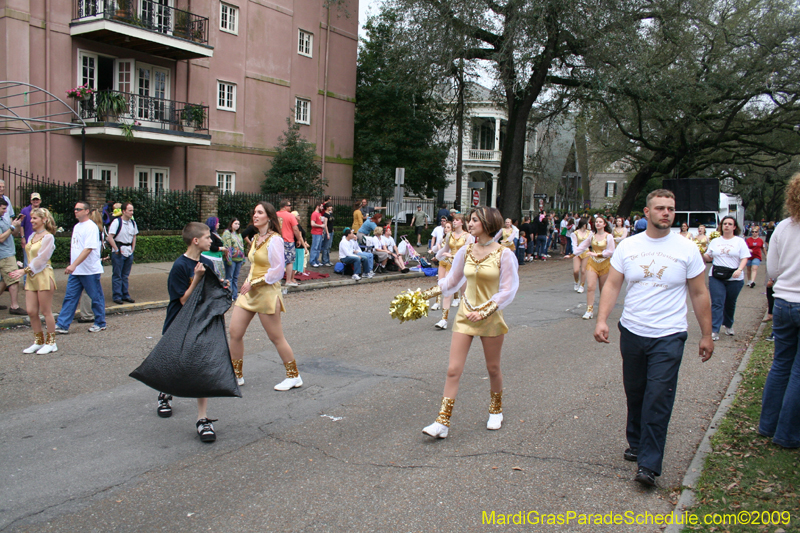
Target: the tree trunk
(512, 162)
(638, 182)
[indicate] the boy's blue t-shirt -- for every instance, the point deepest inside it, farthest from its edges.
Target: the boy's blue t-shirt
(180, 277)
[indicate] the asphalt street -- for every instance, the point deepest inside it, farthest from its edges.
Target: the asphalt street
(83, 450)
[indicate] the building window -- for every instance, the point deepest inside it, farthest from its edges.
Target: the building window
(228, 16)
(302, 111)
(226, 96)
(100, 171)
(305, 43)
(611, 189)
(226, 181)
(154, 179)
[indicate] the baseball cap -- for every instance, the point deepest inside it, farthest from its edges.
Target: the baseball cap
(35, 196)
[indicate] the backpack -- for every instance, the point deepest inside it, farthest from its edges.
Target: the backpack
(114, 219)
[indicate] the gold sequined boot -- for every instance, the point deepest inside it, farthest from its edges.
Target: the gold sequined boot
(442, 324)
(589, 314)
(38, 343)
(50, 346)
(441, 427)
(495, 411)
(237, 369)
(293, 378)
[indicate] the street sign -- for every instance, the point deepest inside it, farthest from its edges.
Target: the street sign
(476, 198)
(540, 195)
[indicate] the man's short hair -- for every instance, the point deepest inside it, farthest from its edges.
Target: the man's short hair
(194, 230)
(86, 205)
(284, 203)
(3, 201)
(125, 206)
(659, 193)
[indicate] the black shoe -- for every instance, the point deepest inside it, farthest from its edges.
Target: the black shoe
(631, 454)
(129, 300)
(206, 429)
(646, 477)
(3, 307)
(86, 320)
(164, 408)
(17, 311)
(118, 302)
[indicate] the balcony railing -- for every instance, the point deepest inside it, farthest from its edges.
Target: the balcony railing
(148, 14)
(485, 155)
(148, 111)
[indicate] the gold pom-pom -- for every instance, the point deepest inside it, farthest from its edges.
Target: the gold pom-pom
(409, 305)
(714, 235)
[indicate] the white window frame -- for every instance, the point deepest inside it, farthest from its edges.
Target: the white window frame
(231, 185)
(305, 43)
(94, 170)
(151, 171)
(302, 110)
(613, 185)
(230, 105)
(232, 18)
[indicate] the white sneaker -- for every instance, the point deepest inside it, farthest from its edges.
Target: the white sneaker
(437, 430)
(356, 277)
(581, 289)
(442, 324)
(456, 302)
(588, 315)
(729, 331)
(714, 336)
(291, 284)
(33, 348)
(289, 383)
(435, 306)
(370, 274)
(495, 421)
(240, 381)
(47, 348)
(577, 286)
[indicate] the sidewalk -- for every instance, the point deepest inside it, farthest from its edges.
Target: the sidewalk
(148, 286)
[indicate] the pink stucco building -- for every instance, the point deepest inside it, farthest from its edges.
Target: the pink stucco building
(204, 85)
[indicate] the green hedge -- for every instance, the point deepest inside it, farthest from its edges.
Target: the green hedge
(165, 210)
(152, 249)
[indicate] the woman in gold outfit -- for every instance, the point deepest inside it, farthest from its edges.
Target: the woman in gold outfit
(490, 273)
(507, 235)
(40, 283)
(580, 260)
(261, 294)
(685, 233)
(599, 261)
(452, 243)
(701, 240)
(620, 231)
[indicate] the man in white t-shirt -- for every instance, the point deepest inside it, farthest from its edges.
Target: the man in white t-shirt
(437, 235)
(84, 272)
(122, 237)
(659, 267)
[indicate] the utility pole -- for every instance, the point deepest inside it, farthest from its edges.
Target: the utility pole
(460, 142)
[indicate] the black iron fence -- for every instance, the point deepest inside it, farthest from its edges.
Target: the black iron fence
(162, 210)
(59, 197)
(148, 111)
(148, 14)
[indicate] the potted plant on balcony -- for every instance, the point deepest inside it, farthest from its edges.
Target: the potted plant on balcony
(181, 28)
(193, 117)
(110, 105)
(123, 9)
(84, 92)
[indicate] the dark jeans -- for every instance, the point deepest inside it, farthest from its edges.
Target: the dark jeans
(75, 286)
(780, 403)
(541, 245)
(723, 301)
(120, 270)
(650, 375)
(326, 249)
(770, 299)
(232, 275)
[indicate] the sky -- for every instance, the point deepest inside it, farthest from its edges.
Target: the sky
(366, 7)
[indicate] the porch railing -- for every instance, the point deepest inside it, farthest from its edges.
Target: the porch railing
(485, 155)
(148, 14)
(147, 111)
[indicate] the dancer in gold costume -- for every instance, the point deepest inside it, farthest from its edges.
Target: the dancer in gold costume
(620, 231)
(702, 239)
(452, 243)
(261, 294)
(507, 235)
(490, 274)
(599, 261)
(685, 233)
(40, 285)
(580, 260)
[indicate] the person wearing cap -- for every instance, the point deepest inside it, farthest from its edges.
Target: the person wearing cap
(27, 229)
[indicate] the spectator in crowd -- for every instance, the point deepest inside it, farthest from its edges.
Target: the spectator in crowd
(523, 245)
(756, 246)
(728, 255)
(391, 246)
(40, 284)
(367, 228)
(9, 215)
(236, 253)
(84, 272)
(8, 259)
(217, 253)
(85, 315)
(563, 230)
(328, 240)
(640, 225)
(358, 217)
(351, 254)
(419, 220)
(291, 235)
(301, 248)
(780, 403)
(379, 249)
(247, 236)
(318, 229)
(437, 236)
(122, 237)
(540, 229)
(108, 213)
(527, 228)
(443, 211)
(367, 211)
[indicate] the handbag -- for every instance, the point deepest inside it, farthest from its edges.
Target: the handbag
(235, 253)
(722, 273)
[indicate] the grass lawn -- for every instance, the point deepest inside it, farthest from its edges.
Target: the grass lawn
(747, 475)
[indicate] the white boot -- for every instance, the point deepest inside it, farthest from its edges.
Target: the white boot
(437, 430)
(442, 324)
(50, 346)
(580, 289)
(589, 314)
(37, 345)
(495, 421)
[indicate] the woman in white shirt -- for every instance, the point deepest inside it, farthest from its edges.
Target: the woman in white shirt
(727, 253)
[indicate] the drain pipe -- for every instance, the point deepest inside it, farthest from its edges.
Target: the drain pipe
(47, 139)
(325, 90)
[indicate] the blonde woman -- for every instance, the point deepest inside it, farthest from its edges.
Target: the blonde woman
(701, 240)
(451, 244)
(598, 262)
(379, 249)
(488, 271)
(261, 295)
(507, 235)
(40, 284)
(579, 261)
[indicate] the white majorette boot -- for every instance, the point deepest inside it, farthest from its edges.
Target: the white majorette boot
(441, 427)
(589, 314)
(38, 343)
(495, 411)
(293, 378)
(50, 346)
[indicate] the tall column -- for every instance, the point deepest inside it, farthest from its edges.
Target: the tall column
(494, 190)
(209, 200)
(496, 135)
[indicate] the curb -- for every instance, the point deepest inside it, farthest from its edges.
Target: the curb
(161, 304)
(687, 499)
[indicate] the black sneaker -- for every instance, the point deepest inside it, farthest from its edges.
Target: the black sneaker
(646, 477)
(631, 454)
(206, 429)
(771, 337)
(164, 409)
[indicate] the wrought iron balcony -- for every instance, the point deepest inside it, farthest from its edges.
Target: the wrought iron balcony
(120, 22)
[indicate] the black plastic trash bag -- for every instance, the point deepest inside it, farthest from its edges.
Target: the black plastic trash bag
(192, 359)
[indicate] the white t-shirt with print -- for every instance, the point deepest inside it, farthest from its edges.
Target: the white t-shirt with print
(86, 235)
(728, 253)
(657, 271)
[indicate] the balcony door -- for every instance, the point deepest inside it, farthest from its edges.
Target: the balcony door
(153, 88)
(157, 15)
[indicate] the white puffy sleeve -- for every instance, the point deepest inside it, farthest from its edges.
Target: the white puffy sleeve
(455, 279)
(574, 240)
(509, 279)
(445, 249)
(578, 250)
(276, 261)
(498, 235)
(45, 253)
(610, 246)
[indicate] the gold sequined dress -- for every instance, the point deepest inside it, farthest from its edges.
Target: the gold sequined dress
(702, 243)
(578, 241)
(619, 234)
(491, 285)
(604, 246)
(452, 246)
(507, 238)
(39, 254)
(265, 295)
